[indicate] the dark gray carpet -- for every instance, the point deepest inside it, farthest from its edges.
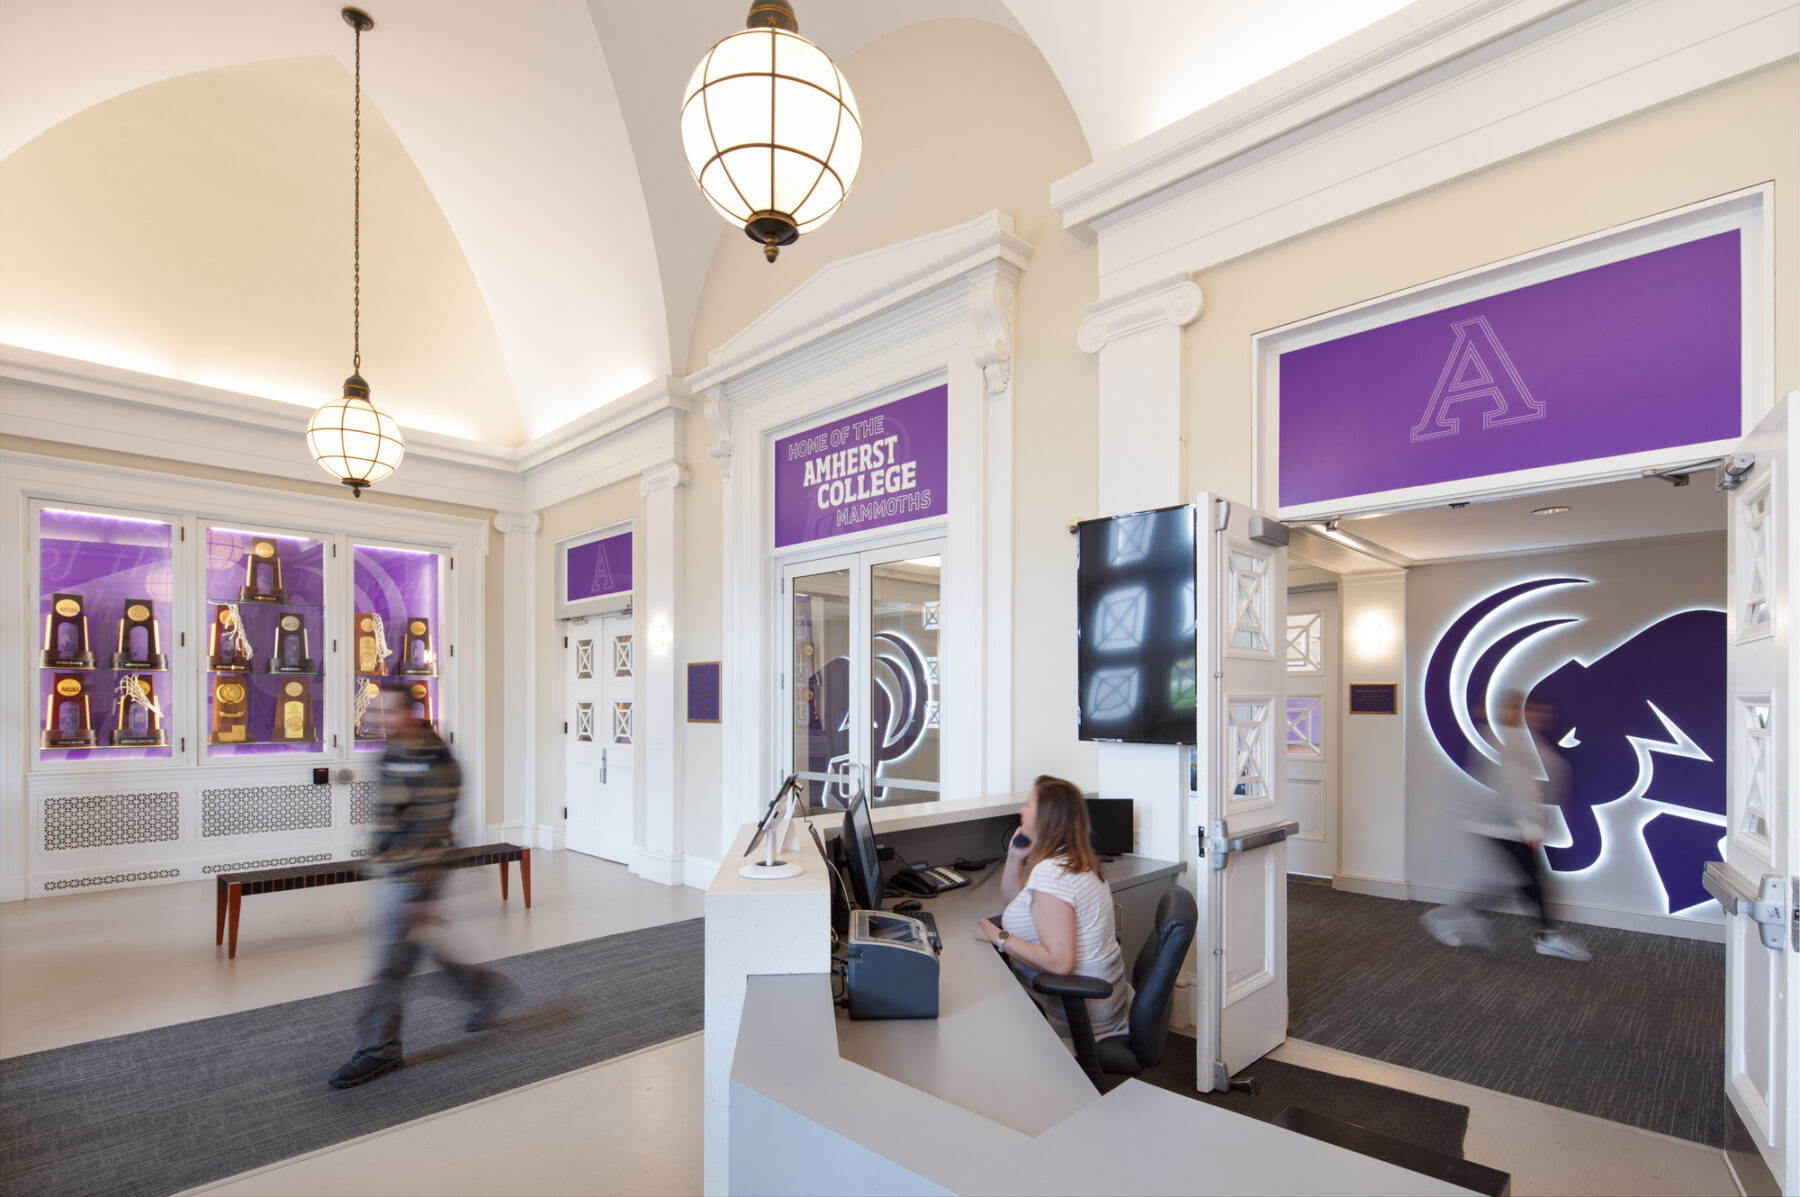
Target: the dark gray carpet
(1635, 1036)
(168, 1109)
(1425, 1121)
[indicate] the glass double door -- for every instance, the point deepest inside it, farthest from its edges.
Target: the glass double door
(861, 682)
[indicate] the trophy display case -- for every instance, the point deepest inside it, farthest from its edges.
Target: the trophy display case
(103, 581)
(264, 605)
(396, 592)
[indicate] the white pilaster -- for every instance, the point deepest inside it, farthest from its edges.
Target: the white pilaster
(662, 486)
(1372, 779)
(1143, 464)
(518, 672)
(992, 302)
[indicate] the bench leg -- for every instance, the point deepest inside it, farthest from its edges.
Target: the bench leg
(235, 900)
(219, 931)
(525, 875)
(504, 870)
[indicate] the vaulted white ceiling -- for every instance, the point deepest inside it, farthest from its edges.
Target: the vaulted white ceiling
(546, 132)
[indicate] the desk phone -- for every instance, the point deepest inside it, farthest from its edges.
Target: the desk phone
(928, 881)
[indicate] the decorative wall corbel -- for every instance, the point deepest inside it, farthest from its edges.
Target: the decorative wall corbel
(668, 474)
(717, 410)
(991, 302)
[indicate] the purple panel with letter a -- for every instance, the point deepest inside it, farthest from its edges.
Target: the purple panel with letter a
(598, 567)
(1629, 357)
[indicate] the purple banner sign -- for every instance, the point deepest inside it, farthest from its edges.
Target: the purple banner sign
(1628, 357)
(887, 465)
(598, 567)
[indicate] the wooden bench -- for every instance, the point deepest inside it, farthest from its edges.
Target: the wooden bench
(234, 886)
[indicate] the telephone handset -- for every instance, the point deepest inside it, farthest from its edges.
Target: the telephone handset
(927, 882)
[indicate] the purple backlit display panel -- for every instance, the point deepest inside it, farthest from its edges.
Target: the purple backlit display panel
(399, 587)
(598, 567)
(231, 567)
(106, 561)
(882, 466)
(1629, 357)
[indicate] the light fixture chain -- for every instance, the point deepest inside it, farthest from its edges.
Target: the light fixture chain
(356, 224)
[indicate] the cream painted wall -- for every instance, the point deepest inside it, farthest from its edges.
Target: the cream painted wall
(1736, 135)
(702, 638)
(962, 117)
(615, 504)
(200, 229)
(493, 597)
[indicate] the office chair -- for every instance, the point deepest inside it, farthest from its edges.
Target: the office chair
(1152, 975)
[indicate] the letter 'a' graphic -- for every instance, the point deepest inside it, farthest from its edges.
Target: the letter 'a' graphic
(1477, 369)
(603, 578)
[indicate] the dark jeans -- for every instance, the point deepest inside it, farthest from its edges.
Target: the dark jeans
(1529, 871)
(402, 933)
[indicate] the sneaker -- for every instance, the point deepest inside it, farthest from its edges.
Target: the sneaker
(1472, 929)
(363, 1068)
(487, 1006)
(1442, 924)
(1561, 944)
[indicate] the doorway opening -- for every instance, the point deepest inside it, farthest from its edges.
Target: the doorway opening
(600, 747)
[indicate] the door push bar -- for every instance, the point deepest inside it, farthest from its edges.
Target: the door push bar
(1222, 846)
(1765, 907)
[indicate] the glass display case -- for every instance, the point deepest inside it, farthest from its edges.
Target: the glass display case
(394, 632)
(265, 643)
(105, 585)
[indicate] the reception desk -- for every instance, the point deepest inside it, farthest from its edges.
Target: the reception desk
(982, 1099)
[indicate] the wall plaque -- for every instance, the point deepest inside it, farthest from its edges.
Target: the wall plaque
(703, 692)
(1374, 698)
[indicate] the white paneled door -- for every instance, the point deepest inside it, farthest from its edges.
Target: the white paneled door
(1310, 735)
(1756, 881)
(1241, 944)
(599, 744)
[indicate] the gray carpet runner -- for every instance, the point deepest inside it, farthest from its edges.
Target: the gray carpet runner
(164, 1110)
(1634, 1036)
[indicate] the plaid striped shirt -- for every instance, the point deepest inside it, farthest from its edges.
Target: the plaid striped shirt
(415, 818)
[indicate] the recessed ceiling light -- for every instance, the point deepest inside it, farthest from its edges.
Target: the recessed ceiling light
(1550, 511)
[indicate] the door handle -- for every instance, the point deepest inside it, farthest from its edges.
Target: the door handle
(1765, 907)
(1222, 846)
(603, 766)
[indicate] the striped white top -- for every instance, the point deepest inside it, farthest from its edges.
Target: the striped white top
(1097, 951)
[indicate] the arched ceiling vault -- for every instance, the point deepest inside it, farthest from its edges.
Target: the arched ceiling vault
(547, 130)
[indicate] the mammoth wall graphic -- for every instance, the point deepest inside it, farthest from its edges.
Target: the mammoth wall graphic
(1641, 726)
(899, 712)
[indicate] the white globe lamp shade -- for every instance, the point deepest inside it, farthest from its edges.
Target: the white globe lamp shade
(771, 131)
(353, 440)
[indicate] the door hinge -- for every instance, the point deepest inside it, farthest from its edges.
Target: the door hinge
(565, 642)
(184, 743)
(334, 741)
(565, 727)
(334, 644)
(183, 531)
(449, 737)
(181, 639)
(334, 550)
(565, 814)
(453, 650)
(452, 565)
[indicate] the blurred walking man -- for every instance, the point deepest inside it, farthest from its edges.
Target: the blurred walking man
(1510, 821)
(414, 826)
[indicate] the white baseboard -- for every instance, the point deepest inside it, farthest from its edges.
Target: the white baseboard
(1377, 887)
(1184, 1006)
(12, 889)
(1584, 914)
(526, 835)
(697, 873)
(664, 868)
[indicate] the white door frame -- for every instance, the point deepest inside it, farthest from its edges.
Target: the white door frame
(1313, 848)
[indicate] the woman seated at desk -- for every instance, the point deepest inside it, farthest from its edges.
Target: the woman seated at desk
(1059, 909)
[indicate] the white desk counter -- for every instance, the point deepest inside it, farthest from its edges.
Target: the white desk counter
(983, 1099)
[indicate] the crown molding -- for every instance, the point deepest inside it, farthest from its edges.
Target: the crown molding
(658, 395)
(1434, 92)
(852, 291)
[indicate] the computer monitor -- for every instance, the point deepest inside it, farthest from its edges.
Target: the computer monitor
(1109, 825)
(860, 854)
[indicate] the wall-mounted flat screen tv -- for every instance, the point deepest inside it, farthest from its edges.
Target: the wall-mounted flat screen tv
(1136, 651)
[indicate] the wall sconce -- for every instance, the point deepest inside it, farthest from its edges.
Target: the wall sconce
(1374, 634)
(659, 634)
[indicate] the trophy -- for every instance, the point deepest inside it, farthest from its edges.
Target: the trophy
(65, 635)
(290, 646)
(372, 649)
(293, 712)
(230, 713)
(140, 646)
(366, 691)
(67, 722)
(230, 646)
(421, 702)
(416, 659)
(262, 574)
(137, 719)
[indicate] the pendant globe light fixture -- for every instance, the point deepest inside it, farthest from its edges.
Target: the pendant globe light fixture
(353, 440)
(771, 130)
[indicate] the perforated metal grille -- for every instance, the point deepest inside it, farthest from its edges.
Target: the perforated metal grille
(251, 810)
(109, 879)
(362, 852)
(362, 802)
(104, 820)
(273, 862)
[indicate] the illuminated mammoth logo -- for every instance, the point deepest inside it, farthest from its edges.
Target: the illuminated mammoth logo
(1644, 720)
(899, 704)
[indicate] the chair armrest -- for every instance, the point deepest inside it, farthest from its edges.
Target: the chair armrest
(1072, 985)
